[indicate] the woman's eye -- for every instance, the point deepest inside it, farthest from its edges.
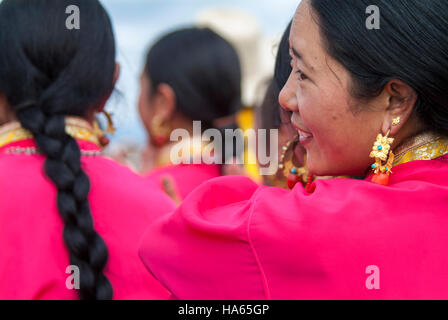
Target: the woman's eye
(302, 76)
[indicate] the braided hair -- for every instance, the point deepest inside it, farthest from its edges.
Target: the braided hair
(48, 72)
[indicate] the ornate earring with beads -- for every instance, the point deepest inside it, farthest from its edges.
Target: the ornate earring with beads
(159, 132)
(384, 159)
(292, 173)
(101, 134)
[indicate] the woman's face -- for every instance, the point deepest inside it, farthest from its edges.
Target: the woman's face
(6, 115)
(337, 140)
(144, 102)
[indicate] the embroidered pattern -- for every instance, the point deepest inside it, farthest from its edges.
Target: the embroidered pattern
(29, 151)
(422, 147)
(75, 127)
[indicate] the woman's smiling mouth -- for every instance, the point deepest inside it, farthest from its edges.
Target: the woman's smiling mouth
(304, 136)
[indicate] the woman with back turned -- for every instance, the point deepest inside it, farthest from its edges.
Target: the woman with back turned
(64, 208)
(192, 75)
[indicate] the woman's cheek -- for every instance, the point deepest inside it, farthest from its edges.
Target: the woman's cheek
(306, 105)
(301, 97)
(305, 94)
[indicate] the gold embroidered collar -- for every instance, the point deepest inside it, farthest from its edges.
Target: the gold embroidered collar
(76, 127)
(191, 147)
(423, 146)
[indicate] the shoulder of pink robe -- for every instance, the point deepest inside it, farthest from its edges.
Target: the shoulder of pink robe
(185, 177)
(34, 259)
(349, 239)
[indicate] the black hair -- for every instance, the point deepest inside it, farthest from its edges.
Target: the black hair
(411, 45)
(46, 73)
(283, 61)
(271, 113)
(204, 71)
(202, 68)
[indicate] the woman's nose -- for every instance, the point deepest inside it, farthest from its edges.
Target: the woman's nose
(287, 97)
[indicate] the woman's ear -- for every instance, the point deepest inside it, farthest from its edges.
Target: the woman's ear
(6, 115)
(2, 109)
(165, 102)
(401, 102)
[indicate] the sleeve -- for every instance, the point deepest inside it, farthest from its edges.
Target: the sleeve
(194, 250)
(233, 240)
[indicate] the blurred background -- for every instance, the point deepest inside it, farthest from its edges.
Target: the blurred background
(254, 27)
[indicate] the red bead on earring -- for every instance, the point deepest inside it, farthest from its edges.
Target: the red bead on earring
(293, 178)
(381, 178)
(310, 187)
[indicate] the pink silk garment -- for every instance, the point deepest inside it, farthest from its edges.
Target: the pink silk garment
(349, 239)
(185, 177)
(34, 259)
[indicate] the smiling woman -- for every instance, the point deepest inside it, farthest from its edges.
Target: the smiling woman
(335, 106)
(350, 89)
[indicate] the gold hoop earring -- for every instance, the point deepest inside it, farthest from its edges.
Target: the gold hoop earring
(382, 154)
(101, 134)
(159, 132)
(292, 173)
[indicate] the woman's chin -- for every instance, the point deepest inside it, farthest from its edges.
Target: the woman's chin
(317, 168)
(317, 163)
(323, 170)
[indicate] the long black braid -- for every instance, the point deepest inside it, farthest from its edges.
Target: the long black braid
(63, 166)
(48, 72)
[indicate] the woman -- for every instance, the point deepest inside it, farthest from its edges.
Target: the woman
(351, 91)
(190, 75)
(292, 164)
(271, 116)
(70, 219)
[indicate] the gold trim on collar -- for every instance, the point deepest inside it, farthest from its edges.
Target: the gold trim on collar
(423, 146)
(75, 127)
(192, 145)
